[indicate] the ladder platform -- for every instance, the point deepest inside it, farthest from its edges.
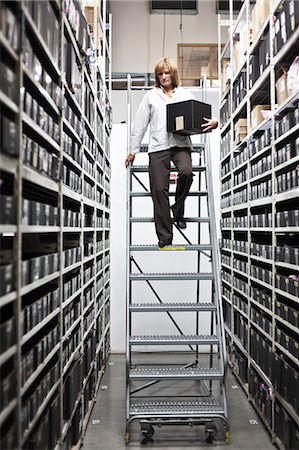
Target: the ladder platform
(144, 168)
(176, 373)
(187, 219)
(171, 276)
(175, 339)
(170, 194)
(172, 307)
(176, 409)
(185, 247)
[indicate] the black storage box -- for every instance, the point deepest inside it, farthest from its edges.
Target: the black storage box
(186, 117)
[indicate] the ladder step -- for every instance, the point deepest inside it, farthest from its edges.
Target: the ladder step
(176, 373)
(171, 194)
(196, 148)
(187, 219)
(195, 247)
(173, 169)
(190, 306)
(179, 339)
(171, 276)
(177, 409)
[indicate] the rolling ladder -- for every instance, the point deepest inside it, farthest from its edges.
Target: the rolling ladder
(175, 344)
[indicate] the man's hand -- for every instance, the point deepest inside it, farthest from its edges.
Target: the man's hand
(210, 125)
(129, 160)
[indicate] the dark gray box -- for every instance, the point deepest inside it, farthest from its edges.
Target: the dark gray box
(185, 118)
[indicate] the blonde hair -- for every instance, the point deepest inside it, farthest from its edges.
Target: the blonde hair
(173, 69)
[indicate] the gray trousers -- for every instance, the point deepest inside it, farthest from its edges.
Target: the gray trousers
(159, 171)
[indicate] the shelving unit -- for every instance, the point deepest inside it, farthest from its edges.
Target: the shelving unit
(54, 219)
(260, 210)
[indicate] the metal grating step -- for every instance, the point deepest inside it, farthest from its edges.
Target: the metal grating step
(187, 219)
(185, 247)
(171, 194)
(176, 373)
(196, 148)
(188, 306)
(171, 276)
(175, 339)
(173, 169)
(176, 409)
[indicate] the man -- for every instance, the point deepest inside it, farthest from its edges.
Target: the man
(165, 147)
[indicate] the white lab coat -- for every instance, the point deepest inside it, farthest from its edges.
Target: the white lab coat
(152, 112)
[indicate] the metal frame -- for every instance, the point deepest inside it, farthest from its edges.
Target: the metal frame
(199, 408)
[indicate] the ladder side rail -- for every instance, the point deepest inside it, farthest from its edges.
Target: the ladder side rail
(215, 252)
(213, 234)
(128, 241)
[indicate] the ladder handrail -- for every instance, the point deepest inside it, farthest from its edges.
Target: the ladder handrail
(215, 261)
(128, 225)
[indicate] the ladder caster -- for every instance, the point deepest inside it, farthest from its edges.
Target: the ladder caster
(211, 432)
(147, 430)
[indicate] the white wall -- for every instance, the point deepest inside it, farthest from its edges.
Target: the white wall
(145, 234)
(137, 35)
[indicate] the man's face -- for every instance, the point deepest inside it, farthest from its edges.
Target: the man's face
(164, 77)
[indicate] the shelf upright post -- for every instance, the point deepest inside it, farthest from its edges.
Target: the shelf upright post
(18, 191)
(61, 216)
(231, 140)
(273, 5)
(248, 13)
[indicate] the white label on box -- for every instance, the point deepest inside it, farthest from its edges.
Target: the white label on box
(179, 123)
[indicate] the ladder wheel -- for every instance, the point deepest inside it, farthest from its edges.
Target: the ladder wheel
(147, 431)
(211, 432)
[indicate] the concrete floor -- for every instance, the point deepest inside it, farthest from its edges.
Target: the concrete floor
(106, 429)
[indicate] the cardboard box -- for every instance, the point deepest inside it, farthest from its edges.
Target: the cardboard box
(258, 16)
(185, 118)
(256, 114)
(263, 10)
(239, 137)
(236, 56)
(282, 88)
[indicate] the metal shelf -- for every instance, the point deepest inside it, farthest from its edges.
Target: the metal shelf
(39, 369)
(8, 164)
(38, 283)
(286, 352)
(41, 43)
(287, 324)
(39, 413)
(39, 326)
(4, 43)
(57, 195)
(35, 177)
(289, 195)
(10, 229)
(7, 354)
(291, 161)
(41, 90)
(8, 410)
(8, 102)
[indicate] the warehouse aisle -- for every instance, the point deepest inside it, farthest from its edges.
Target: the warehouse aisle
(106, 429)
